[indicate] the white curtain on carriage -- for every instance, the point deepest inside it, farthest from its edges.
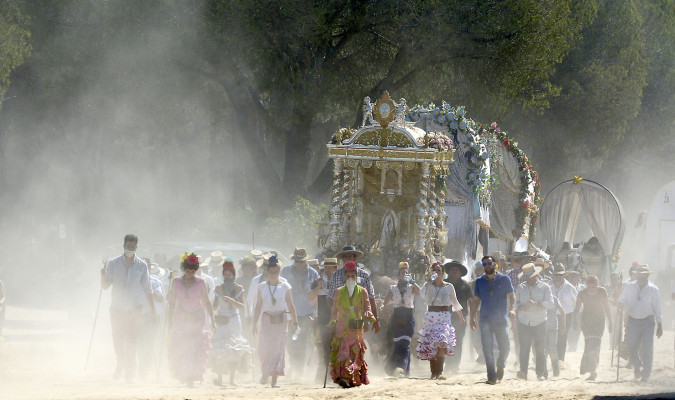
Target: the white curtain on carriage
(505, 195)
(562, 209)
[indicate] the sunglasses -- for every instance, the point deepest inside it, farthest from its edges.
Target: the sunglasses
(489, 263)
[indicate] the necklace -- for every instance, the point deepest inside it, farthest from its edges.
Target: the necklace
(269, 288)
(438, 290)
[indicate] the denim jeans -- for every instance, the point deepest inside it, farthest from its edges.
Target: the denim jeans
(528, 336)
(498, 329)
(640, 335)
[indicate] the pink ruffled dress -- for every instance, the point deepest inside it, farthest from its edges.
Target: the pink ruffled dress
(189, 341)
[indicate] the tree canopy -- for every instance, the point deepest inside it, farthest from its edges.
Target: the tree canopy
(227, 105)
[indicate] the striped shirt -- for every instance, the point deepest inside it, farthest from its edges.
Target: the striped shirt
(529, 314)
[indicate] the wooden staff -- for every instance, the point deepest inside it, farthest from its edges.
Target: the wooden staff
(93, 328)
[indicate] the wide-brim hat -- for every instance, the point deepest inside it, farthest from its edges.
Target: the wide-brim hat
(559, 269)
(216, 258)
(497, 255)
(246, 261)
(313, 262)
(299, 254)
(540, 261)
(455, 264)
(643, 269)
(331, 262)
(263, 259)
(529, 270)
(157, 271)
(522, 255)
(349, 250)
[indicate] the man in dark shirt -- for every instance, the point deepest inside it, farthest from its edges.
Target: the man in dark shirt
(456, 271)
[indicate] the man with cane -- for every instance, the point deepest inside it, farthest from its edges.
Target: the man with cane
(129, 277)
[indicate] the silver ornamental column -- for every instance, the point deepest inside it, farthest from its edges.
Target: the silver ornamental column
(422, 213)
(335, 205)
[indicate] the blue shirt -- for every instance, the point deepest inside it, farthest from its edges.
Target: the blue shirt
(492, 294)
(301, 285)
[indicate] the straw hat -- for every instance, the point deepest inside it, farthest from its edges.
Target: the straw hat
(331, 262)
(643, 269)
(529, 270)
(313, 262)
(542, 263)
(216, 258)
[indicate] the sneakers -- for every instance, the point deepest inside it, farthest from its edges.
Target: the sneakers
(522, 375)
(500, 374)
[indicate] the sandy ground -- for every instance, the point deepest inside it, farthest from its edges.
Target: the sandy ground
(42, 356)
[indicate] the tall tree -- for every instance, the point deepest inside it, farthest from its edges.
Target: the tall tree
(294, 64)
(14, 41)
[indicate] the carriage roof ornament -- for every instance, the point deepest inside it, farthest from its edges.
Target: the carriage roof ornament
(384, 111)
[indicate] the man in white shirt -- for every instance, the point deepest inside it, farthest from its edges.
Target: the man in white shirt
(566, 294)
(128, 275)
(533, 298)
(642, 303)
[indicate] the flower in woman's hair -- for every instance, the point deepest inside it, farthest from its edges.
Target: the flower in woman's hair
(192, 259)
(436, 111)
(273, 260)
(453, 125)
(183, 257)
(493, 125)
(462, 125)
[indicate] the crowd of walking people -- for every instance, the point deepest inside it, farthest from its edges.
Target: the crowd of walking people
(213, 315)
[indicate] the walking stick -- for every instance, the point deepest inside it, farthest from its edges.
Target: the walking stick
(325, 376)
(614, 343)
(93, 328)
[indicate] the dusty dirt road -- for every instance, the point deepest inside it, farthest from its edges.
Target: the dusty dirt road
(42, 356)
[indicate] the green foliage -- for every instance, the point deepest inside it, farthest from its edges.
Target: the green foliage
(296, 226)
(15, 44)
